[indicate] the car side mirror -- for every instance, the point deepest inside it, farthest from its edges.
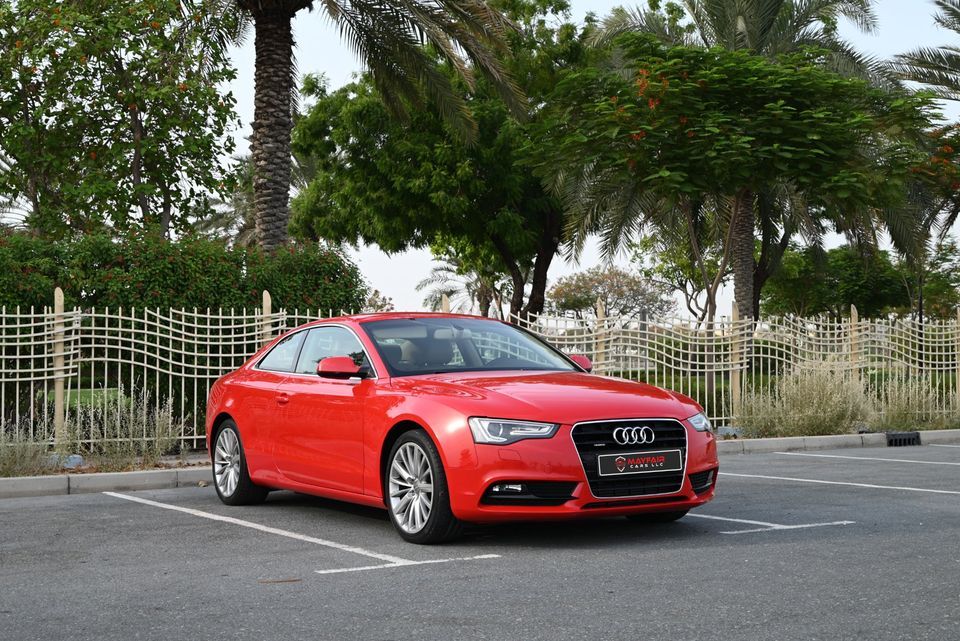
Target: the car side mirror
(583, 361)
(341, 367)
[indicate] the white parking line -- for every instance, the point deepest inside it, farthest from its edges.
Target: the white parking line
(264, 528)
(407, 564)
(868, 458)
(391, 561)
(867, 485)
(941, 445)
(767, 527)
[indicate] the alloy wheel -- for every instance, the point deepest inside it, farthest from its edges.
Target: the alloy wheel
(411, 487)
(226, 462)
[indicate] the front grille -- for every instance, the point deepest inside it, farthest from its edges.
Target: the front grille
(702, 481)
(592, 439)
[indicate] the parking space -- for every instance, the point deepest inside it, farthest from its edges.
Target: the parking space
(845, 544)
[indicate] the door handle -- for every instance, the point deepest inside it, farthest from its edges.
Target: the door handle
(283, 399)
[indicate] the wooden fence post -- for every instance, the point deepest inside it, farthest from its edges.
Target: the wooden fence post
(854, 339)
(59, 408)
(266, 327)
(599, 345)
(736, 393)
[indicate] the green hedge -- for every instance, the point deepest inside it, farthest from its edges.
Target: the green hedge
(145, 271)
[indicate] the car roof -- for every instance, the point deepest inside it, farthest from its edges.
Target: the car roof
(380, 316)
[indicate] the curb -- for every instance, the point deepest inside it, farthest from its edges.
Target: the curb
(800, 443)
(27, 486)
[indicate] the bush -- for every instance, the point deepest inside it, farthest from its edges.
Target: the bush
(908, 403)
(808, 403)
(146, 271)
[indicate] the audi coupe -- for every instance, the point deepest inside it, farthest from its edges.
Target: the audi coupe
(447, 419)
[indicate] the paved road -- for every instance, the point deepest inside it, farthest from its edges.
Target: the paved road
(871, 563)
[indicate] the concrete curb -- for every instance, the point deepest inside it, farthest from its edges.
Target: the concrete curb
(26, 486)
(799, 443)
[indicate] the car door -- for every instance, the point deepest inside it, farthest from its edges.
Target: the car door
(261, 412)
(320, 440)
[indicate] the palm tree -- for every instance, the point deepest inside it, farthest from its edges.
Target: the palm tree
(466, 288)
(389, 36)
(936, 67)
(769, 28)
(939, 69)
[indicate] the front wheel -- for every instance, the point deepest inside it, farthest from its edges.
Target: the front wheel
(417, 495)
(658, 517)
(230, 474)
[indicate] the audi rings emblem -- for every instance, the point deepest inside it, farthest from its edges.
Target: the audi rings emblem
(633, 435)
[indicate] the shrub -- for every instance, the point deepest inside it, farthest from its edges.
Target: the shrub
(808, 403)
(128, 431)
(146, 271)
(907, 403)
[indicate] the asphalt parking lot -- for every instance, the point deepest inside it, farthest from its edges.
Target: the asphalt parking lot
(843, 544)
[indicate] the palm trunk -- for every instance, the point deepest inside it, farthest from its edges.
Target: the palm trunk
(741, 252)
(272, 124)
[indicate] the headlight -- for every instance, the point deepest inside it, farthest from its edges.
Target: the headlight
(700, 423)
(497, 431)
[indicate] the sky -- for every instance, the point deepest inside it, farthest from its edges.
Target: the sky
(903, 25)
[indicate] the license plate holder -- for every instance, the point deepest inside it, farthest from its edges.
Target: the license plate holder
(648, 462)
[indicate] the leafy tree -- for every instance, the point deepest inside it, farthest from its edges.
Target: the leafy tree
(111, 113)
(932, 280)
(621, 293)
(388, 37)
(770, 28)
(668, 259)
(415, 184)
(810, 282)
(692, 128)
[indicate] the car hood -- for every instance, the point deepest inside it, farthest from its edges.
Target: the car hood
(559, 397)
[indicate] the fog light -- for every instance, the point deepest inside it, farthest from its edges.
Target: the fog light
(507, 488)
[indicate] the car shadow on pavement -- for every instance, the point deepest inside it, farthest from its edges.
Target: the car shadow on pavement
(572, 534)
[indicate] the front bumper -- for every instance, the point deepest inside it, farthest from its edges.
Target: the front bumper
(557, 460)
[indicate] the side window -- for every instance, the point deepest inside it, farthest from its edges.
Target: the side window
(284, 354)
(329, 341)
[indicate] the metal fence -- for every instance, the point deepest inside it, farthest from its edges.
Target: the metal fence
(719, 364)
(75, 374)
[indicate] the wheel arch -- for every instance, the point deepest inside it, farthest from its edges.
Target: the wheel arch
(220, 419)
(393, 435)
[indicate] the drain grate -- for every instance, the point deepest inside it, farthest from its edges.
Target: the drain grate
(900, 439)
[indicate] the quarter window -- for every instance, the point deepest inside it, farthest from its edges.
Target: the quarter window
(323, 342)
(284, 354)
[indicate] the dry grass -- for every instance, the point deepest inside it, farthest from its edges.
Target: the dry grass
(808, 403)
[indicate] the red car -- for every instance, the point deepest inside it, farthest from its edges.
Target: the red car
(445, 420)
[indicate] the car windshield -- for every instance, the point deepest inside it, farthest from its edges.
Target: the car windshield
(411, 346)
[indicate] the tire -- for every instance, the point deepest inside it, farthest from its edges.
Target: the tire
(230, 475)
(658, 517)
(420, 515)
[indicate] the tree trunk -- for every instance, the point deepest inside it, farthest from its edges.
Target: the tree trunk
(741, 252)
(272, 122)
(546, 250)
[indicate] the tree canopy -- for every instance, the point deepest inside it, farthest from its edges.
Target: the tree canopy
(413, 183)
(111, 114)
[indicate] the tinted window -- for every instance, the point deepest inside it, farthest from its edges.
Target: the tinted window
(284, 354)
(436, 345)
(322, 342)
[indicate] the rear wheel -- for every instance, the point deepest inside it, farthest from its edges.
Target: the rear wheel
(417, 495)
(658, 517)
(230, 474)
